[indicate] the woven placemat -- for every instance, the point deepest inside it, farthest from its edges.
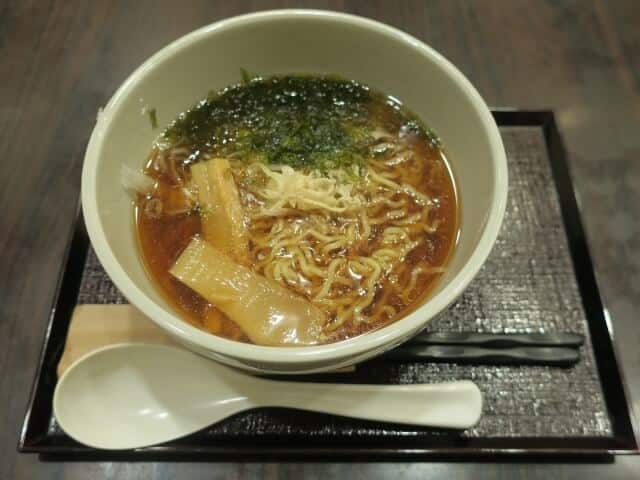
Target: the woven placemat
(527, 285)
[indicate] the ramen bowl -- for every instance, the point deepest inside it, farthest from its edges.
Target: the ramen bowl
(280, 42)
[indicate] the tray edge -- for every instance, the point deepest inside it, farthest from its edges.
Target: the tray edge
(568, 201)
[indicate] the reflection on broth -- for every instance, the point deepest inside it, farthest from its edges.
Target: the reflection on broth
(295, 210)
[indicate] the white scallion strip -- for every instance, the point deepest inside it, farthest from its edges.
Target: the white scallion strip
(135, 182)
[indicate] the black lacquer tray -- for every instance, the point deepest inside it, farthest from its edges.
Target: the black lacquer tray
(539, 277)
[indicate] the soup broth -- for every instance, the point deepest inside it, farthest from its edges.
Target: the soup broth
(320, 185)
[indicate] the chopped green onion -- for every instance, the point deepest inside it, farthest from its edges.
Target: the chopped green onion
(153, 118)
(246, 76)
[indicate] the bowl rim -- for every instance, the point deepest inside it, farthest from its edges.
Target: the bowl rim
(354, 347)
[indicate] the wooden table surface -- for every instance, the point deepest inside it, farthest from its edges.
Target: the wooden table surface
(61, 60)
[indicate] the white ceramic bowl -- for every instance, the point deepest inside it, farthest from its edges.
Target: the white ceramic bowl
(293, 41)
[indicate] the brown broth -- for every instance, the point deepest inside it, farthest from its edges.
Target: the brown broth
(436, 250)
(161, 241)
(162, 237)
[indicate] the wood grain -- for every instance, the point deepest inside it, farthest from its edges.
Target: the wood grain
(61, 60)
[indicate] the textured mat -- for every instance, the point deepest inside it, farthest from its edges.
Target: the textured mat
(527, 285)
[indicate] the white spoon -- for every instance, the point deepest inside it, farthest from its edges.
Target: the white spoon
(137, 395)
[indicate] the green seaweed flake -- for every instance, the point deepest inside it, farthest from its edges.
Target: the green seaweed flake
(306, 122)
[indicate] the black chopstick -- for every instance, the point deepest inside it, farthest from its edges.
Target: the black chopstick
(558, 357)
(553, 349)
(499, 340)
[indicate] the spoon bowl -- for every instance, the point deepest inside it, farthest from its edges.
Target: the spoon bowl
(136, 395)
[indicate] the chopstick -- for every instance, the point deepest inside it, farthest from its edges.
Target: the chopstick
(552, 349)
(500, 340)
(558, 357)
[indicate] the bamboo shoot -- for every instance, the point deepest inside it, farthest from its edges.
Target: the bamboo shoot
(267, 312)
(223, 224)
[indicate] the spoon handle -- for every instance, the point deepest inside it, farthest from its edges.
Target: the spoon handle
(445, 405)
